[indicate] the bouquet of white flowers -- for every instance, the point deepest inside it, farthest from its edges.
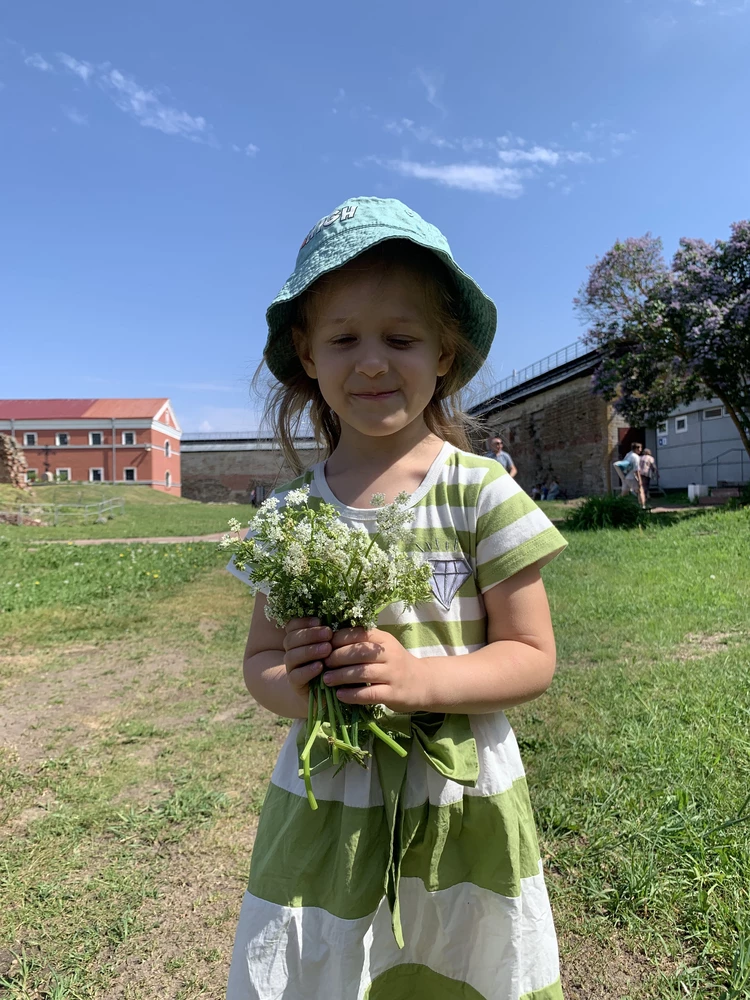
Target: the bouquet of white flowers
(312, 565)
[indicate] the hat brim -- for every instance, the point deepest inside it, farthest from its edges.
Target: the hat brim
(477, 315)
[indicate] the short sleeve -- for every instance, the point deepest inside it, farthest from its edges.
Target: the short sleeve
(512, 532)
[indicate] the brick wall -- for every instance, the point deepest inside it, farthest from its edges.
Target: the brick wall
(563, 431)
(229, 476)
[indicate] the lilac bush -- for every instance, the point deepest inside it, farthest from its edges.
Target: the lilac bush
(667, 335)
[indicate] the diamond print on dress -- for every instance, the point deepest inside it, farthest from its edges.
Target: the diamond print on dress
(448, 576)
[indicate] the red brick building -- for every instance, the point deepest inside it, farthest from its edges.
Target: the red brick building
(97, 440)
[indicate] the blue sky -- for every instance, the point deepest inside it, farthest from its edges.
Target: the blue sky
(161, 163)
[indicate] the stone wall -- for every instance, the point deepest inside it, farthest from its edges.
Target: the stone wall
(12, 462)
(229, 475)
(563, 431)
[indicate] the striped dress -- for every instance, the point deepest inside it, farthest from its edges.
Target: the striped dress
(418, 878)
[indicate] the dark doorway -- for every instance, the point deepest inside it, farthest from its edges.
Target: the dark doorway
(627, 437)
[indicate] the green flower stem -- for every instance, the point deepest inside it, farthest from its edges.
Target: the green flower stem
(355, 725)
(305, 758)
(310, 711)
(340, 717)
(377, 731)
(332, 721)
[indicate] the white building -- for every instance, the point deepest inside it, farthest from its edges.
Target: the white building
(699, 444)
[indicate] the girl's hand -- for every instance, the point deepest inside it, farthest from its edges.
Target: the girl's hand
(306, 644)
(386, 673)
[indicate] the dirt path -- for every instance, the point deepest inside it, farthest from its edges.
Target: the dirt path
(216, 537)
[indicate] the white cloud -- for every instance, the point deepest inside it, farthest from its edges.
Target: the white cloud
(251, 149)
(35, 61)
(503, 181)
(75, 116)
(537, 154)
(430, 82)
(422, 133)
(83, 69)
(149, 111)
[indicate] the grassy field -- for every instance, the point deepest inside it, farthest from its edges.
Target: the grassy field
(147, 514)
(134, 765)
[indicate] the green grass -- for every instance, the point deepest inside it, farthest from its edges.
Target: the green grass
(50, 593)
(147, 514)
(638, 760)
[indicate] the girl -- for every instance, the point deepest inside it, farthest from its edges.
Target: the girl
(416, 877)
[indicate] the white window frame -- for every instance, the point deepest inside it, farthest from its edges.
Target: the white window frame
(26, 442)
(126, 443)
(662, 428)
(96, 468)
(59, 443)
(130, 468)
(57, 475)
(91, 439)
(35, 473)
(168, 480)
(167, 449)
(677, 428)
(714, 414)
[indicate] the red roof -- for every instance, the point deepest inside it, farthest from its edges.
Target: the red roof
(77, 409)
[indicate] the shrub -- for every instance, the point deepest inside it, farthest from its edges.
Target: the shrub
(596, 513)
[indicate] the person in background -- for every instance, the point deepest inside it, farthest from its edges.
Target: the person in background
(536, 492)
(495, 446)
(554, 489)
(631, 468)
(649, 471)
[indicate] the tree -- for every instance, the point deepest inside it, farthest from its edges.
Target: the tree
(669, 336)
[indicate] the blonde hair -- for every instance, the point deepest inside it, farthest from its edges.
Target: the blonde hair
(298, 396)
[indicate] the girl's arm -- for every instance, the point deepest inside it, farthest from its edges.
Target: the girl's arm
(515, 666)
(279, 663)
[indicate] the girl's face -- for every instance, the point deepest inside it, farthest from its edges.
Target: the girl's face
(373, 351)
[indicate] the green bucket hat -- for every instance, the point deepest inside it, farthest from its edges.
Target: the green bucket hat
(355, 226)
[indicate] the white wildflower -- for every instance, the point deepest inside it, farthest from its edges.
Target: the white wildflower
(234, 525)
(296, 498)
(295, 560)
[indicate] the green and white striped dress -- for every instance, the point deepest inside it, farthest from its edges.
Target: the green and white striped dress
(416, 879)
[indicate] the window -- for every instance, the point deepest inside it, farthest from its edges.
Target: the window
(166, 449)
(96, 438)
(167, 479)
(96, 475)
(31, 475)
(680, 425)
(62, 440)
(62, 475)
(29, 440)
(662, 428)
(713, 413)
(129, 475)
(128, 437)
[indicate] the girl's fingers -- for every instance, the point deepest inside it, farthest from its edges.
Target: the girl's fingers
(377, 694)
(359, 673)
(299, 655)
(300, 677)
(305, 636)
(346, 636)
(357, 652)
(296, 623)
